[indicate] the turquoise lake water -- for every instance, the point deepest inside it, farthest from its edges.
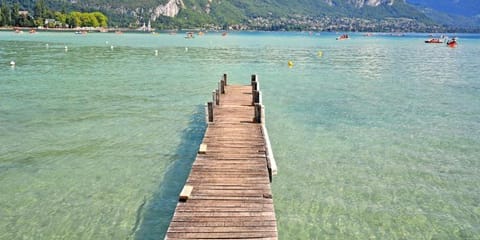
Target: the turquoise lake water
(374, 137)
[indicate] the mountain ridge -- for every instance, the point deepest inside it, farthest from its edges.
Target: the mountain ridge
(452, 13)
(467, 8)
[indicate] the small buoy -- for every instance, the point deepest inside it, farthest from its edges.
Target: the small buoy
(320, 54)
(186, 49)
(111, 47)
(66, 48)
(12, 63)
(290, 64)
(156, 52)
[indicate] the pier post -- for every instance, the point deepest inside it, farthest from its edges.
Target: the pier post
(254, 78)
(217, 94)
(255, 97)
(258, 113)
(222, 86)
(225, 78)
(210, 112)
(255, 85)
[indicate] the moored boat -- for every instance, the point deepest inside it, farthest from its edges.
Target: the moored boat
(189, 35)
(434, 40)
(343, 37)
(452, 42)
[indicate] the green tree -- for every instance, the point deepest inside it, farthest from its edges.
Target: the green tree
(61, 17)
(101, 18)
(1, 16)
(85, 19)
(79, 19)
(40, 10)
(25, 21)
(15, 15)
(93, 22)
(74, 19)
(6, 16)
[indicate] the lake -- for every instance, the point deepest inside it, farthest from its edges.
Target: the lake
(375, 137)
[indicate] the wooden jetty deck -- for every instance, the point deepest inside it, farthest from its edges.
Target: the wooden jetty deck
(227, 194)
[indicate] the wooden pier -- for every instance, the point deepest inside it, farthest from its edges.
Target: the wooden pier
(227, 194)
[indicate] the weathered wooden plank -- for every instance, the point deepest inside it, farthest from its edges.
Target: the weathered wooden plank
(262, 202)
(262, 188)
(224, 194)
(235, 136)
(225, 224)
(232, 126)
(199, 208)
(225, 140)
(228, 168)
(236, 155)
(230, 235)
(223, 183)
(222, 219)
(240, 178)
(222, 176)
(211, 160)
(204, 197)
(229, 161)
(233, 157)
(226, 151)
(231, 168)
(223, 229)
(267, 238)
(225, 146)
(226, 180)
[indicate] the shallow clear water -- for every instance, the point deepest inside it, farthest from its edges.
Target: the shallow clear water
(375, 138)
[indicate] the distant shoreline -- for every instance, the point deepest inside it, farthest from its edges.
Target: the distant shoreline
(130, 30)
(100, 30)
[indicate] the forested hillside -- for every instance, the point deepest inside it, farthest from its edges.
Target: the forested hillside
(323, 15)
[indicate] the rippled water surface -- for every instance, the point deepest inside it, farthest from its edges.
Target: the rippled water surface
(375, 137)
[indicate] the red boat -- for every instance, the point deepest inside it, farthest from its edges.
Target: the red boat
(452, 43)
(343, 37)
(434, 40)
